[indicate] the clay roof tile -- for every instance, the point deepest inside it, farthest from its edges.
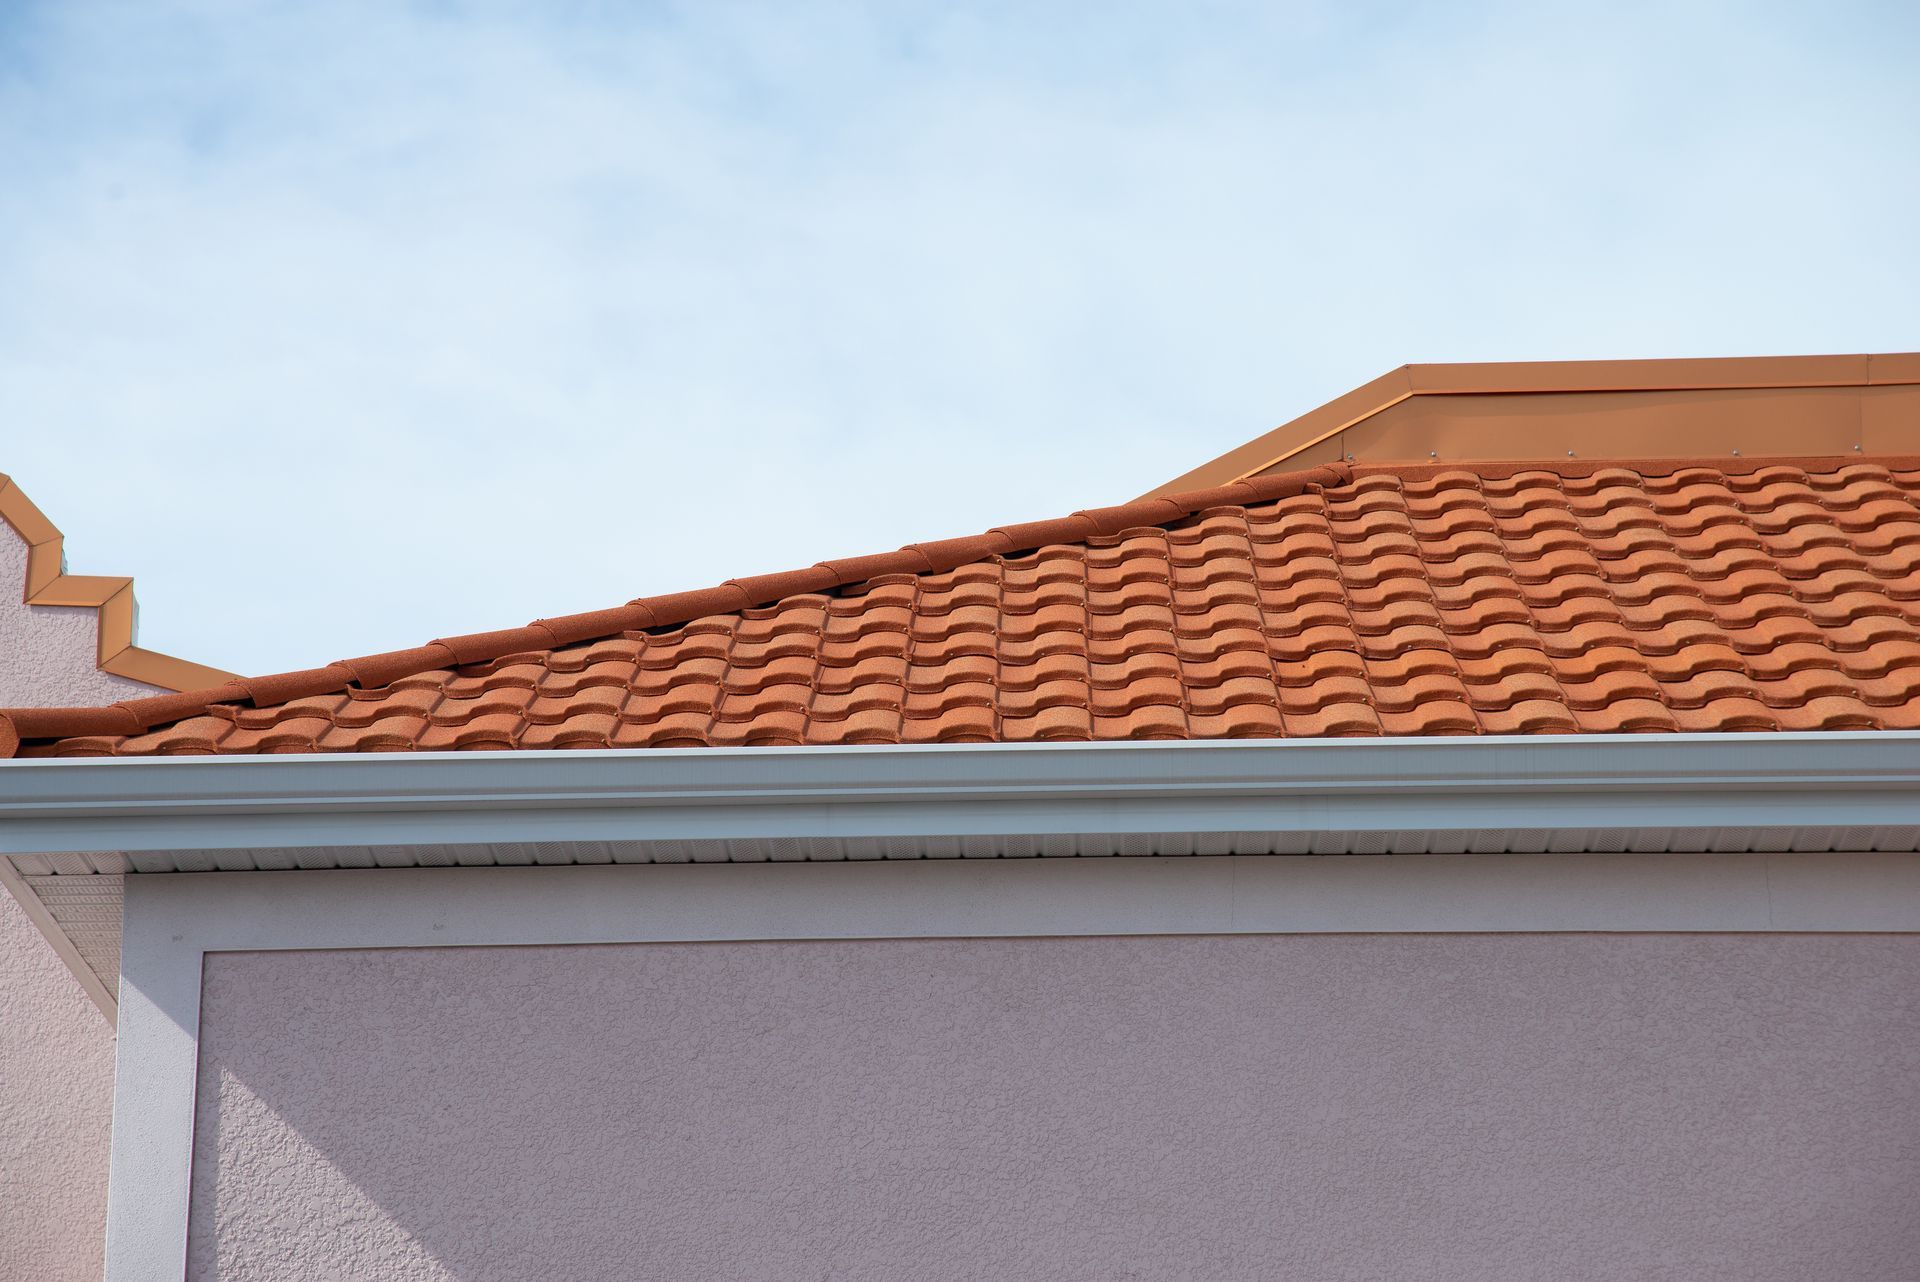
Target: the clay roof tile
(1595, 596)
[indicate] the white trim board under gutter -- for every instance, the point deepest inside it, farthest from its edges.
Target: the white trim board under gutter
(1550, 783)
(70, 827)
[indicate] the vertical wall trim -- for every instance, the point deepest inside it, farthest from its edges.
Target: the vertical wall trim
(156, 1066)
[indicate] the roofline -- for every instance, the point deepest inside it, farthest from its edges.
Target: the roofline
(110, 597)
(1548, 782)
(1556, 791)
(1560, 793)
(1316, 426)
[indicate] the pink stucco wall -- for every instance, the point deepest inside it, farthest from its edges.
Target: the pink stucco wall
(1432, 1107)
(56, 1112)
(56, 1050)
(48, 654)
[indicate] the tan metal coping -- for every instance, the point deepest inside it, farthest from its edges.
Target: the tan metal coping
(1751, 406)
(48, 583)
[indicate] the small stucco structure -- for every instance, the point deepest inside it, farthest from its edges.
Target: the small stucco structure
(56, 1050)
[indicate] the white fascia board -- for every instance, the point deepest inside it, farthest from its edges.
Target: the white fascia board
(1533, 782)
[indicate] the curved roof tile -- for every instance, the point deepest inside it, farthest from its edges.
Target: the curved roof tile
(1572, 596)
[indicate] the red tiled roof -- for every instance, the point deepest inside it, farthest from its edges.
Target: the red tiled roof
(1499, 598)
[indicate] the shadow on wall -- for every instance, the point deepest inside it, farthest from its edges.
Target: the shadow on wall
(1435, 1107)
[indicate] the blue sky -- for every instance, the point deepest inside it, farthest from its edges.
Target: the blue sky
(345, 327)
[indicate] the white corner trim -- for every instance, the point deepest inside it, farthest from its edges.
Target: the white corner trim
(155, 1086)
(174, 920)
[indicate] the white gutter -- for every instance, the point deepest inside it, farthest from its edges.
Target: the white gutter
(61, 819)
(1843, 779)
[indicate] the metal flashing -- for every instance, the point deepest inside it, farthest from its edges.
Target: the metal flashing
(1651, 408)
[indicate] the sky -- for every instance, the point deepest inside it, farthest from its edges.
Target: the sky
(344, 327)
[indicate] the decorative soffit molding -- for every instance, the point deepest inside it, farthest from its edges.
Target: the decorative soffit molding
(110, 596)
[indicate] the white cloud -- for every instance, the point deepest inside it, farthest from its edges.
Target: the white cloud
(344, 328)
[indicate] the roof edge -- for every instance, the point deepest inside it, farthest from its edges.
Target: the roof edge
(1549, 782)
(175, 812)
(109, 596)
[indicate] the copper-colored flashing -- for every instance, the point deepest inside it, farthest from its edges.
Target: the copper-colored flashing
(1638, 408)
(135, 716)
(112, 597)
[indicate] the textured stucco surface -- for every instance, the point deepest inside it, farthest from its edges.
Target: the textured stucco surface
(56, 1051)
(48, 654)
(1431, 1107)
(56, 1112)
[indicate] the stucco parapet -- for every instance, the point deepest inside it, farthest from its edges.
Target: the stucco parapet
(110, 596)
